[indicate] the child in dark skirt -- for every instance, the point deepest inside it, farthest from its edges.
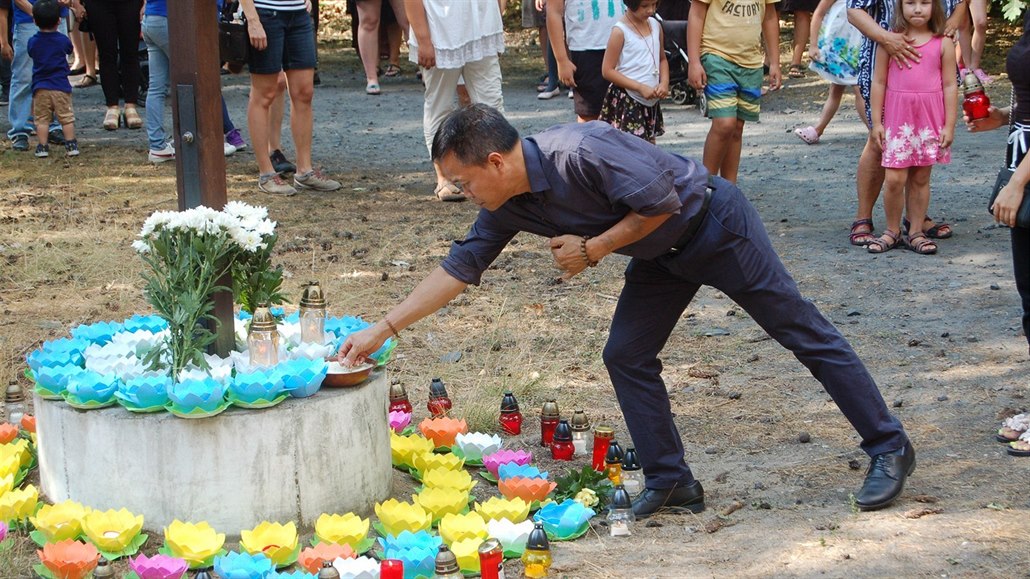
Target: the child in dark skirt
(635, 64)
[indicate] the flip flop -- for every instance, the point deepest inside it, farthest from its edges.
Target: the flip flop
(392, 70)
(807, 134)
(448, 192)
(372, 88)
(795, 71)
(86, 81)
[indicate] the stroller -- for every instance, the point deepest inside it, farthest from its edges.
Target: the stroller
(680, 91)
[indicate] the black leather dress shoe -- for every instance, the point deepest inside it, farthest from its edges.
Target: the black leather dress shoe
(679, 499)
(885, 478)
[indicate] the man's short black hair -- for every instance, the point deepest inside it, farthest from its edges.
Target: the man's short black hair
(46, 13)
(471, 133)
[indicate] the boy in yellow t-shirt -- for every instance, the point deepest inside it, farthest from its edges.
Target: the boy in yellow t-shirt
(724, 46)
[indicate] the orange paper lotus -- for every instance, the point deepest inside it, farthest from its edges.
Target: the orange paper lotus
(69, 559)
(442, 431)
(8, 432)
(527, 489)
(28, 422)
(311, 559)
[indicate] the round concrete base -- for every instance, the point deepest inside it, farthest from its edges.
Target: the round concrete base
(329, 453)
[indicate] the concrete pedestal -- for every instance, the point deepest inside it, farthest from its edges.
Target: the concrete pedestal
(329, 453)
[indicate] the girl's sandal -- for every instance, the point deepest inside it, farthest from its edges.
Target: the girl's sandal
(921, 244)
(1013, 427)
(862, 232)
(795, 71)
(132, 118)
(392, 70)
(86, 81)
(112, 118)
(886, 242)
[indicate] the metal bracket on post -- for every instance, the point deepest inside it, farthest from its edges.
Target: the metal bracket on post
(188, 150)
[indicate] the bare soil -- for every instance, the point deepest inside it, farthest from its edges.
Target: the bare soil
(940, 334)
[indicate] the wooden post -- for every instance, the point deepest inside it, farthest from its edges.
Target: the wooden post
(196, 92)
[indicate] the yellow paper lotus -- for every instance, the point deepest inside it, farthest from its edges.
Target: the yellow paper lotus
(19, 448)
(278, 542)
(6, 483)
(496, 508)
(454, 528)
(347, 529)
(60, 521)
(443, 430)
(431, 460)
(111, 531)
(527, 489)
(9, 465)
(19, 504)
(449, 479)
(69, 559)
(404, 449)
(467, 553)
(196, 543)
(441, 501)
(397, 516)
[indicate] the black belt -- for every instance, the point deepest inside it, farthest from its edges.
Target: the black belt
(694, 224)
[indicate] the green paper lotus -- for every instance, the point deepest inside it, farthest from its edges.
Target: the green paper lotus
(197, 412)
(256, 404)
(79, 404)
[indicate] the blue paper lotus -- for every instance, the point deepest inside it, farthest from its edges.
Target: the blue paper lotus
(512, 469)
(260, 384)
(55, 378)
(564, 520)
(98, 333)
(302, 377)
(145, 391)
(291, 575)
(92, 387)
(416, 550)
(206, 394)
(57, 353)
(243, 566)
(409, 540)
(150, 323)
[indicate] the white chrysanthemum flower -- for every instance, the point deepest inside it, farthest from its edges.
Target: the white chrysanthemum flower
(141, 247)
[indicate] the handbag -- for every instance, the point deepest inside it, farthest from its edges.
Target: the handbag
(1023, 213)
(233, 38)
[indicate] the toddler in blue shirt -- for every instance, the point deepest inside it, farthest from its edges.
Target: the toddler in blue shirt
(51, 91)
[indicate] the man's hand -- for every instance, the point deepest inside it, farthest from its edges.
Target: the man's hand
(258, 39)
(6, 52)
(900, 49)
(426, 55)
(568, 255)
(360, 345)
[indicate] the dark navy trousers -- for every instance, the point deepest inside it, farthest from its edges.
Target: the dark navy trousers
(732, 253)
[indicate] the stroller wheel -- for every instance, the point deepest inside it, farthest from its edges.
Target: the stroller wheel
(679, 94)
(702, 104)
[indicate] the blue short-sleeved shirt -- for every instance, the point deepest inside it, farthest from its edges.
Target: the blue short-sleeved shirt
(21, 17)
(49, 53)
(585, 178)
(156, 8)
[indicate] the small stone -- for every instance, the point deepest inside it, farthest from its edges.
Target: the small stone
(853, 464)
(760, 486)
(711, 450)
(653, 524)
(945, 334)
(972, 339)
(942, 398)
(734, 396)
(451, 357)
(854, 313)
(385, 276)
(898, 403)
(753, 358)
(913, 343)
(731, 313)
(722, 476)
(995, 286)
(804, 437)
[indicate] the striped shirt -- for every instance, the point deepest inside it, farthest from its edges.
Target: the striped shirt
(282, 5)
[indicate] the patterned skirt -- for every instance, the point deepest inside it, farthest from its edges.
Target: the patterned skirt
(626, 114)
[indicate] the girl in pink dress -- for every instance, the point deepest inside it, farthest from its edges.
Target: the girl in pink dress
(914, 111)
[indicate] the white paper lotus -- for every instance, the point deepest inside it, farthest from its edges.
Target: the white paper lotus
(513, 536)
(475, 445)
(357, 568)
(313, 351)
(289, 333)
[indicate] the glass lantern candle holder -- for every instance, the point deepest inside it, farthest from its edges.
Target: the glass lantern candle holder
(491, 559)
(620, 514)
(613, 462)
(447, 565)
(549, 416)
(263, 338)
(976, 104)
(561, 443)
(632, 474)
(580, 432)
(439, 402)
(312, 314)
(511, 416)
(14, 404)
(536, 559)
(399, 399)
(603, 436)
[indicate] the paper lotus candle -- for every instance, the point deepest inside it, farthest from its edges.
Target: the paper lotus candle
(196, 543)
(357, 568)
(417, 551)
(59, 521)
(443, 430)
(520, 470)
(205, 394)
(451, 479)
(112, 531)
(145, 391)
(20, 449)
(279, 542)
(69, 559)
(91, 387)
(472, 446)
(8, 432)
(527, 489)
(28, 422)
(243, 565)
(311, 559)
(397, 516)
(291, 575)
(303, 378)
(495, 508)
(9, 467)
(441, 501)
(493, 462)
(565, 520)
(467, 553)
(55, 378)
(18, 504)
(3, 531)
(404, 449)
(427, 461)
(513, 536)
(398, 420)
(347, 529)
(158, 567)
(457, 527)
(261, 384)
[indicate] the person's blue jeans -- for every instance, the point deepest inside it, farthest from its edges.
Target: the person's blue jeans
(19, 111)
(155, 34)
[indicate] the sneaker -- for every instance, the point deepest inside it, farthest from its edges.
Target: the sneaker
(163, 155)
(570, 93)
(233, 138)
(280, 164)
(72, 148)
(228, 149)
(315, 180)
(20, 142)
(55, 137)
(5, 99)
(983, 76)
(275, 185)
(42, 150)
(548, 94)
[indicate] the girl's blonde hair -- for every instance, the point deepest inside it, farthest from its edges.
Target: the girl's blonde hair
(935, 24)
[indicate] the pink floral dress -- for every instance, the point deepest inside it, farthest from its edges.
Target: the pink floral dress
(913, 112)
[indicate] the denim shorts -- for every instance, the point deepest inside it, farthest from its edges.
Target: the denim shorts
(291, 42)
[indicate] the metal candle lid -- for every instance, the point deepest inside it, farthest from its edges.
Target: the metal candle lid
(580, 422)
(614, 452)
(562, 432)
(437, 389)
(630, 460)
(550, 409)
(312, 298)
(970, 83)
(263, 320)
(620, 499)
(14, 393)
(397, 392)
(509, 403)
(604, 432)
(328, 571)
(446, 561)
(538, 538)
(103, 569)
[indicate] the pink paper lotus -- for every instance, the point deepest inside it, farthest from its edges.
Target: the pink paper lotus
(399, 420)
(492, 462)
(158, 567)
(527, 489)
